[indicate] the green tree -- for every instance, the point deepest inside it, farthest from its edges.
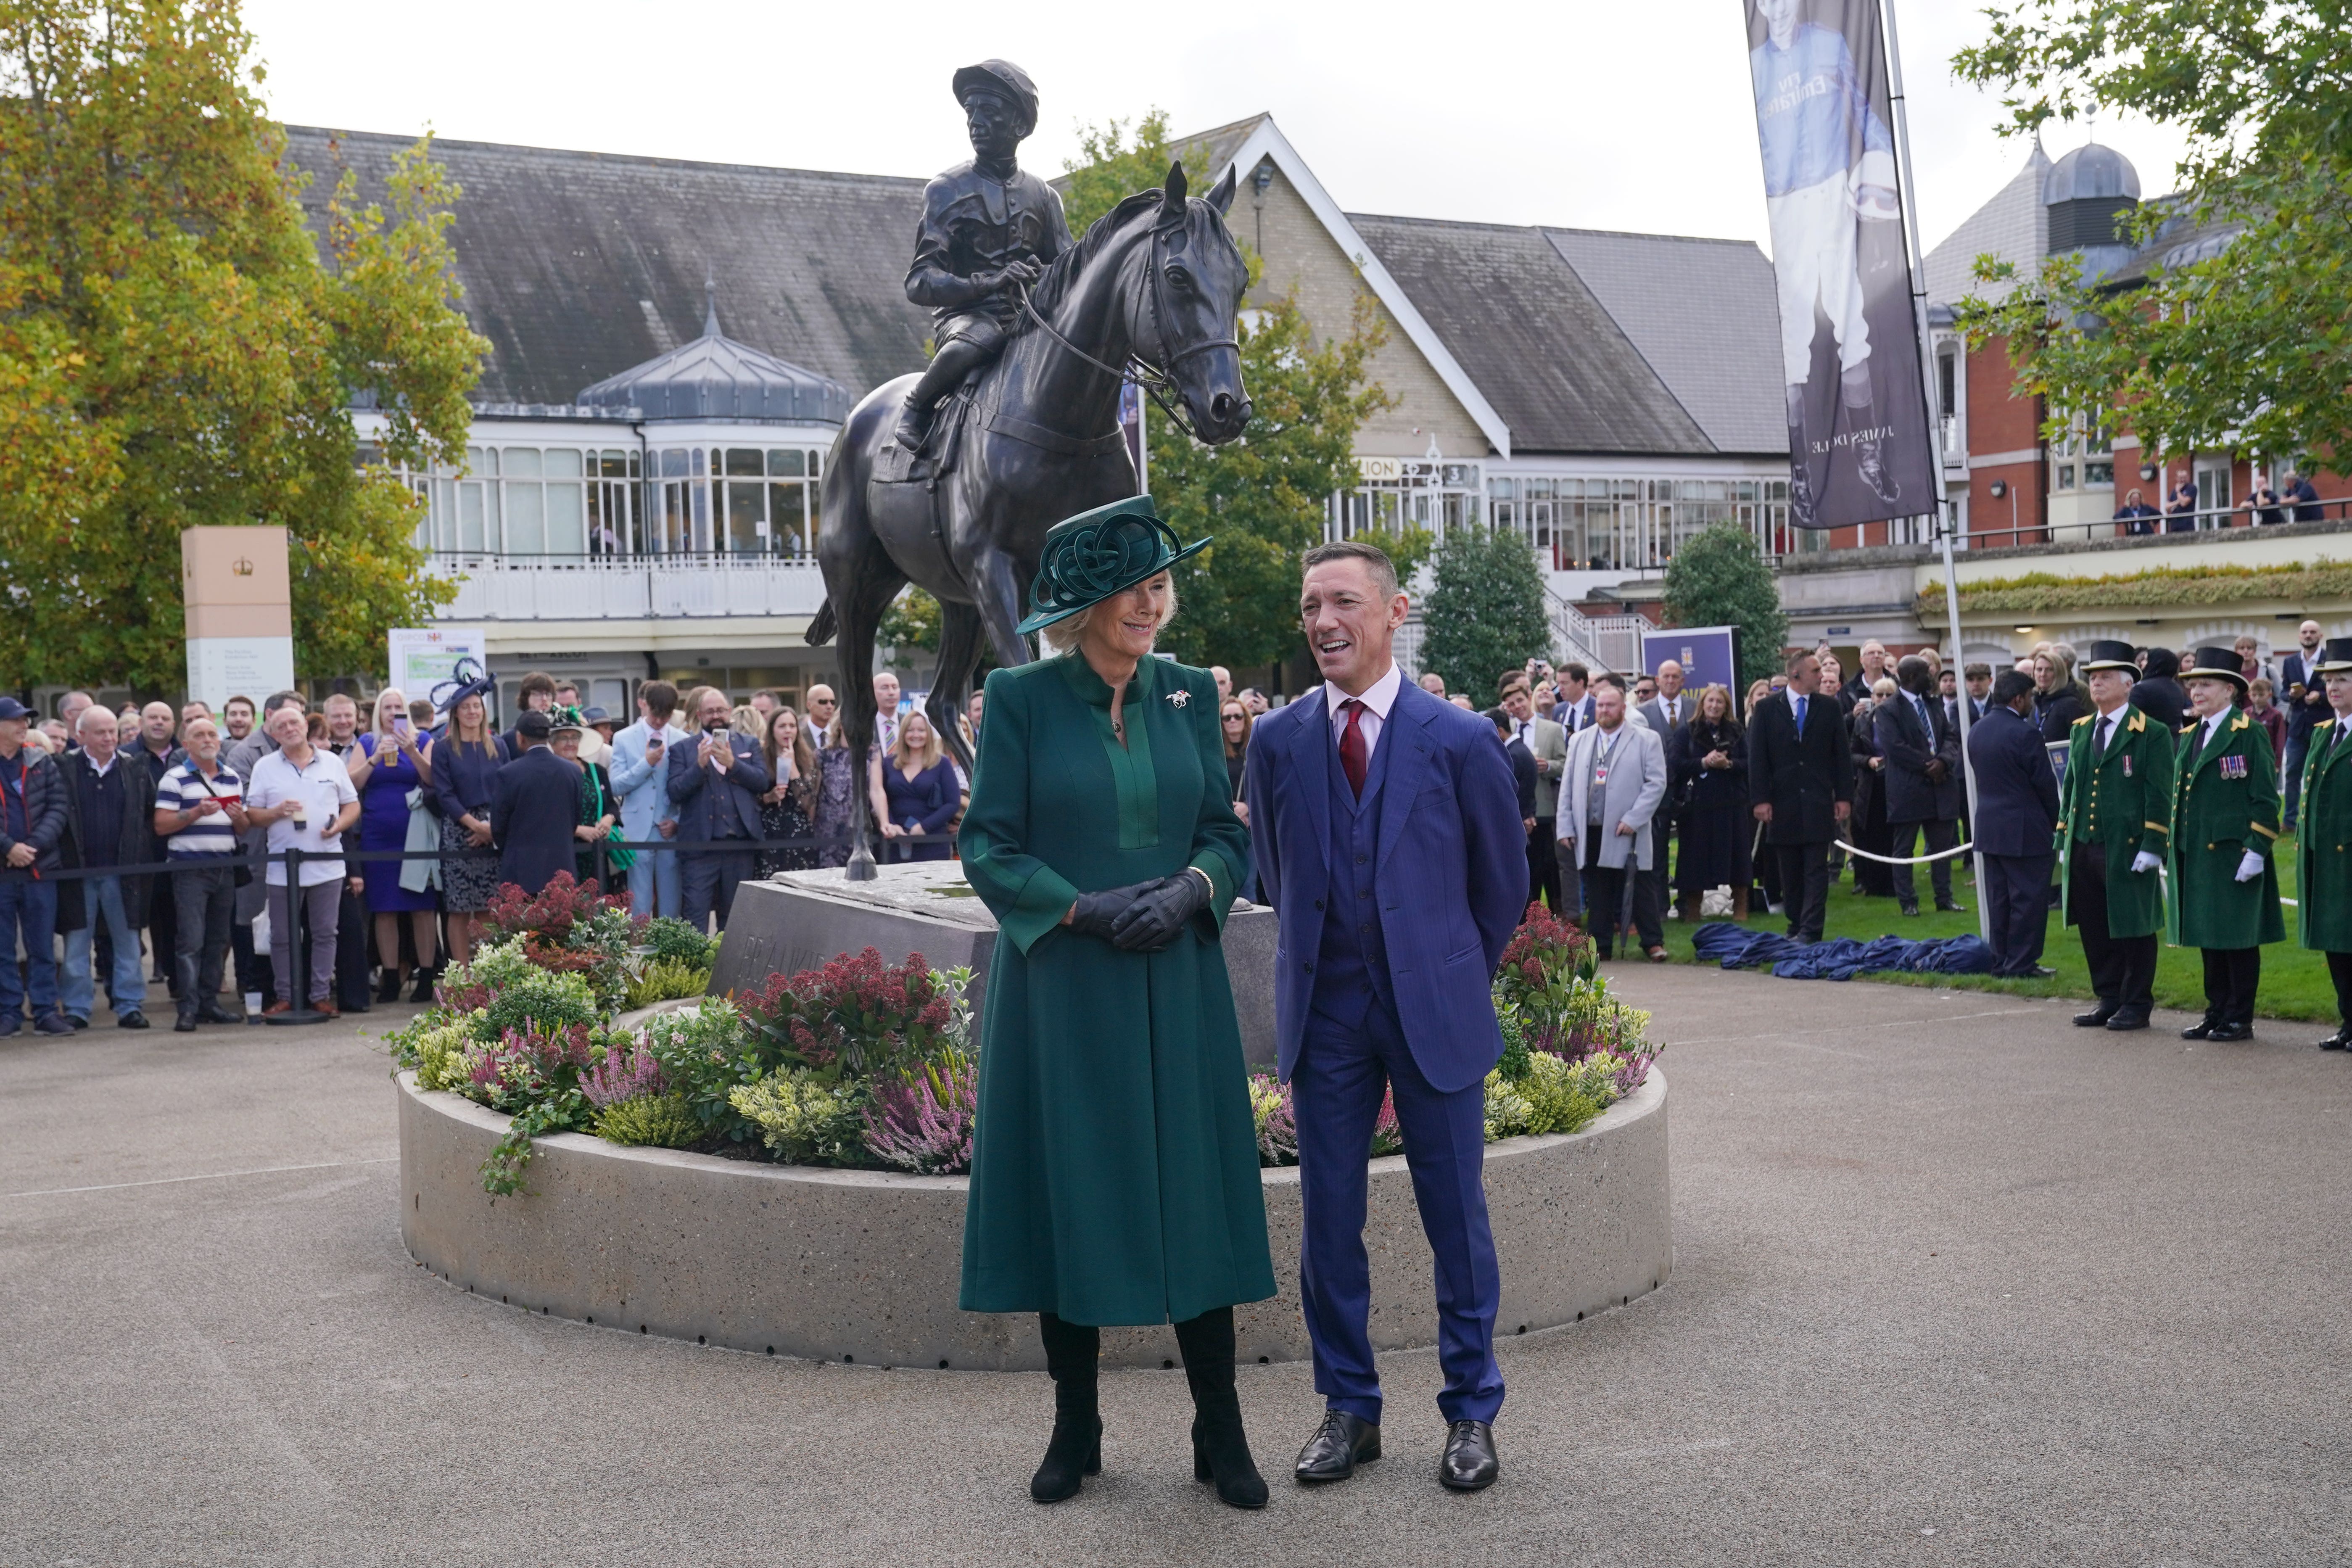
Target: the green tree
(2251, 348)
(1262, 497)
(1485, 611)
(176, 348)
(1719, 579)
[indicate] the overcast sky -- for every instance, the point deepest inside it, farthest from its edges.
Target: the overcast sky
(1586, 115)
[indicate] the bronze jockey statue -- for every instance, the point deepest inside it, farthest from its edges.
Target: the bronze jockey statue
(989, 229)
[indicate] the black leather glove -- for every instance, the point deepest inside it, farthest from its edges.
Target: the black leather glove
(1094, 913)
(1157, 918)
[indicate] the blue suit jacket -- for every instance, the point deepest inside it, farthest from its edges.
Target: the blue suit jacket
(2017, 792)
(695, 793)
(1451, 871)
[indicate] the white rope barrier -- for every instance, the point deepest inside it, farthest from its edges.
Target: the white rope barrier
(1913, 860)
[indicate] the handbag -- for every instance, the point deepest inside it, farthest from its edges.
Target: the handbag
(619, 859)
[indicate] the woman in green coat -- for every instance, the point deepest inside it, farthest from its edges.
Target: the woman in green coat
(2324, 844)
(1115, 1169)
(2225, 897)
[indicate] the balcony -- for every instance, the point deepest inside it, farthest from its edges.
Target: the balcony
(650, 588)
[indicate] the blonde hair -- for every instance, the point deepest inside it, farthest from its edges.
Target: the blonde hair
(399, 699)
(1882, 688)
(1063, 635)
(933, 749)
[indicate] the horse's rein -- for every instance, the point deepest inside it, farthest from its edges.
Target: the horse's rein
(1153, 378)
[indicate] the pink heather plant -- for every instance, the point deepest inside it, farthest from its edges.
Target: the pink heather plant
(628, 1071)
(925, 1125)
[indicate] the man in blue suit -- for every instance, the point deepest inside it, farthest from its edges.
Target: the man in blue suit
(2017, 822)
(1387, 840)
(715, 786)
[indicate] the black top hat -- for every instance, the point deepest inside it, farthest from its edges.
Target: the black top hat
(2334, 657)
(1005, 79)
(1089, 557)
(2217, 664)
(534, 725)
(2110, 656)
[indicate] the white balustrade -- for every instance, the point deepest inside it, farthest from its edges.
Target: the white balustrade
(638, 587)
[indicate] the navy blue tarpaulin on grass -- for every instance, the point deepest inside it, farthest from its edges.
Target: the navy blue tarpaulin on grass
(1736, 947)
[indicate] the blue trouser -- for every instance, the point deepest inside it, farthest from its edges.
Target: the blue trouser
(653, 883)
(2016, 896)
(2290, 784)
(1335, 1094)
(126, 982)
(28, 907)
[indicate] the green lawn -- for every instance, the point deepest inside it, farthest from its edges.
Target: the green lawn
(2294, 982)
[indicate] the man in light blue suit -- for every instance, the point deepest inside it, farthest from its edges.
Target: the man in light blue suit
(640, 769)
(1387, 835)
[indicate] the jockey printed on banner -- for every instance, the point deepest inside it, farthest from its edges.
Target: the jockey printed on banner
(1858, 439)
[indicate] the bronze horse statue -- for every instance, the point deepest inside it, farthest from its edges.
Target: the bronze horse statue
(1152, 289)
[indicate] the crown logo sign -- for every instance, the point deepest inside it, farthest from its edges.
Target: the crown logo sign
(241, 566)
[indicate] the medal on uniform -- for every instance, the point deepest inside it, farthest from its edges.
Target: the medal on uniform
(2127, 765)
(2234, 767)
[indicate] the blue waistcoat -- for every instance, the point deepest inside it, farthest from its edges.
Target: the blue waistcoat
(1351, 967)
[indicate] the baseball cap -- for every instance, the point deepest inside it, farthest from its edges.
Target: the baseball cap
(12, 709)
(534, 725)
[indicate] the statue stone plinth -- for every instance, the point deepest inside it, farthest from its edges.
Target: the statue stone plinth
(803, 919)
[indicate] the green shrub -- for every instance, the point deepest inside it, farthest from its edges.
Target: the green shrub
(669, 940)
(805, 1120)
(1559, 1098)
(652, 1121)
(1508, 1110)
(437, 1053)
(706, 1053)
(536, 998)
(666, 980)
(1514, 1063)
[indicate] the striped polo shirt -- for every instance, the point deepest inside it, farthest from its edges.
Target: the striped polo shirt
(183, 787)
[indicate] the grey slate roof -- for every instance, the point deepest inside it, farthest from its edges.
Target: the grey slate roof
(2013, 226)
(715, 377)
(577, 265)
(1576, 366)
(1706, 314)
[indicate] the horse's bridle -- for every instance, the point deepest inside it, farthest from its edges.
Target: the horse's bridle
(1155, 379)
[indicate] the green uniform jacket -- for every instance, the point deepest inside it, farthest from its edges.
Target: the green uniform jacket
(1115, 1168)
(2215, 820)
(2122, 802)
(2323, 861)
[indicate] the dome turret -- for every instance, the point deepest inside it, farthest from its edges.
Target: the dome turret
(716, 378)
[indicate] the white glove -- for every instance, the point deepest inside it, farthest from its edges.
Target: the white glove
(2250, 865)
(2144, 861)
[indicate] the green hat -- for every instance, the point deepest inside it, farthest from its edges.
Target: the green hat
(1089, 557)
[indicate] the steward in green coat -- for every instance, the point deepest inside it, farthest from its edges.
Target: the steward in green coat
(2225, 897)
(1115, 1162)
(2114, 827)
(2324, 846)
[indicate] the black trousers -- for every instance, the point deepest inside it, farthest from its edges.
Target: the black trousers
(204, 902)
(1650, 887)
(163, 930)
(1941, 836)
(353, 937)
(1543, 864)
(2123, 968)
(2232, 975)
(2017, 909)
(1604, 893)
(707, 882)
(1805, 886)
(2339, 970)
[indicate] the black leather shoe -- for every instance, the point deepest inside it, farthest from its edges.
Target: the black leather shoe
(1339, 1445)
(1911, 910)
(215, 1013)
(2123, 1022)
(390, 990)
(1950, 907)
(1468, 1464)
(186, 1023)
(2224, 1034)
(2097, 1018)
(2200, 1030)
(1073, 1453)
(2336, 1041)
(2043, 971)
(134, 1019)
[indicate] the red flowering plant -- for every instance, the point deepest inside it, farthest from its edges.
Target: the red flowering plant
(568, 927)
(1550, 987)
(856, 1017)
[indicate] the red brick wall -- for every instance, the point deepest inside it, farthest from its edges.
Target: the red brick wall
(2002, 421)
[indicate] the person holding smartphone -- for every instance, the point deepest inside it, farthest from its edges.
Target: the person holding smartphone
(391, 792)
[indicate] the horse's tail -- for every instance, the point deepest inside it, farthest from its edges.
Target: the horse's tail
(820, 630)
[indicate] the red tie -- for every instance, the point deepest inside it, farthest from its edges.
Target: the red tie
(1353, 755)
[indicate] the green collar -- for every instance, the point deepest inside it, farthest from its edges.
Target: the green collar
(1095, 690)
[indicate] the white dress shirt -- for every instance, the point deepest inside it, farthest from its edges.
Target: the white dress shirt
(2211, 726)
(1377, 700)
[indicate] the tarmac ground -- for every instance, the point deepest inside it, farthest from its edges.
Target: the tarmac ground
(1954, 1283)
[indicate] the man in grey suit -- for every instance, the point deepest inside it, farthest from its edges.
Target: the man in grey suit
(1546, 743)
(1612, 784)
(1668, 714)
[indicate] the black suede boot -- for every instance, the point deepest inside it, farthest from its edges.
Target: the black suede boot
(1220, 1447)
(1074, 1356)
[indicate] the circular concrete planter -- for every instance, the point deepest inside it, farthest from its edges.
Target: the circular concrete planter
(863, 1266)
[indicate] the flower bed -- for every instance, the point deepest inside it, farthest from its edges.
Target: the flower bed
(865, 1066)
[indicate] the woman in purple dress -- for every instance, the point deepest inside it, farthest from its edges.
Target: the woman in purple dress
(391, 762)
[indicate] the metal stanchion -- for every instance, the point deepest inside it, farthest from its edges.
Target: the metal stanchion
(298, 950)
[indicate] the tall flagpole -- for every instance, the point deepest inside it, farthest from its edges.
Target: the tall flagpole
(1905, 182)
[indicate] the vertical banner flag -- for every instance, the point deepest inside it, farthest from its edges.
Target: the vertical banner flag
(1858, 440)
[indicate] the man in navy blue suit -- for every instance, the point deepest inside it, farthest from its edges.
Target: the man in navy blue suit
(2016, 821)
(1387, 840)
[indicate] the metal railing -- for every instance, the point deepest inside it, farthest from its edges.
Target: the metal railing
(496, 587)
(2336, 509)
(1597, 642)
